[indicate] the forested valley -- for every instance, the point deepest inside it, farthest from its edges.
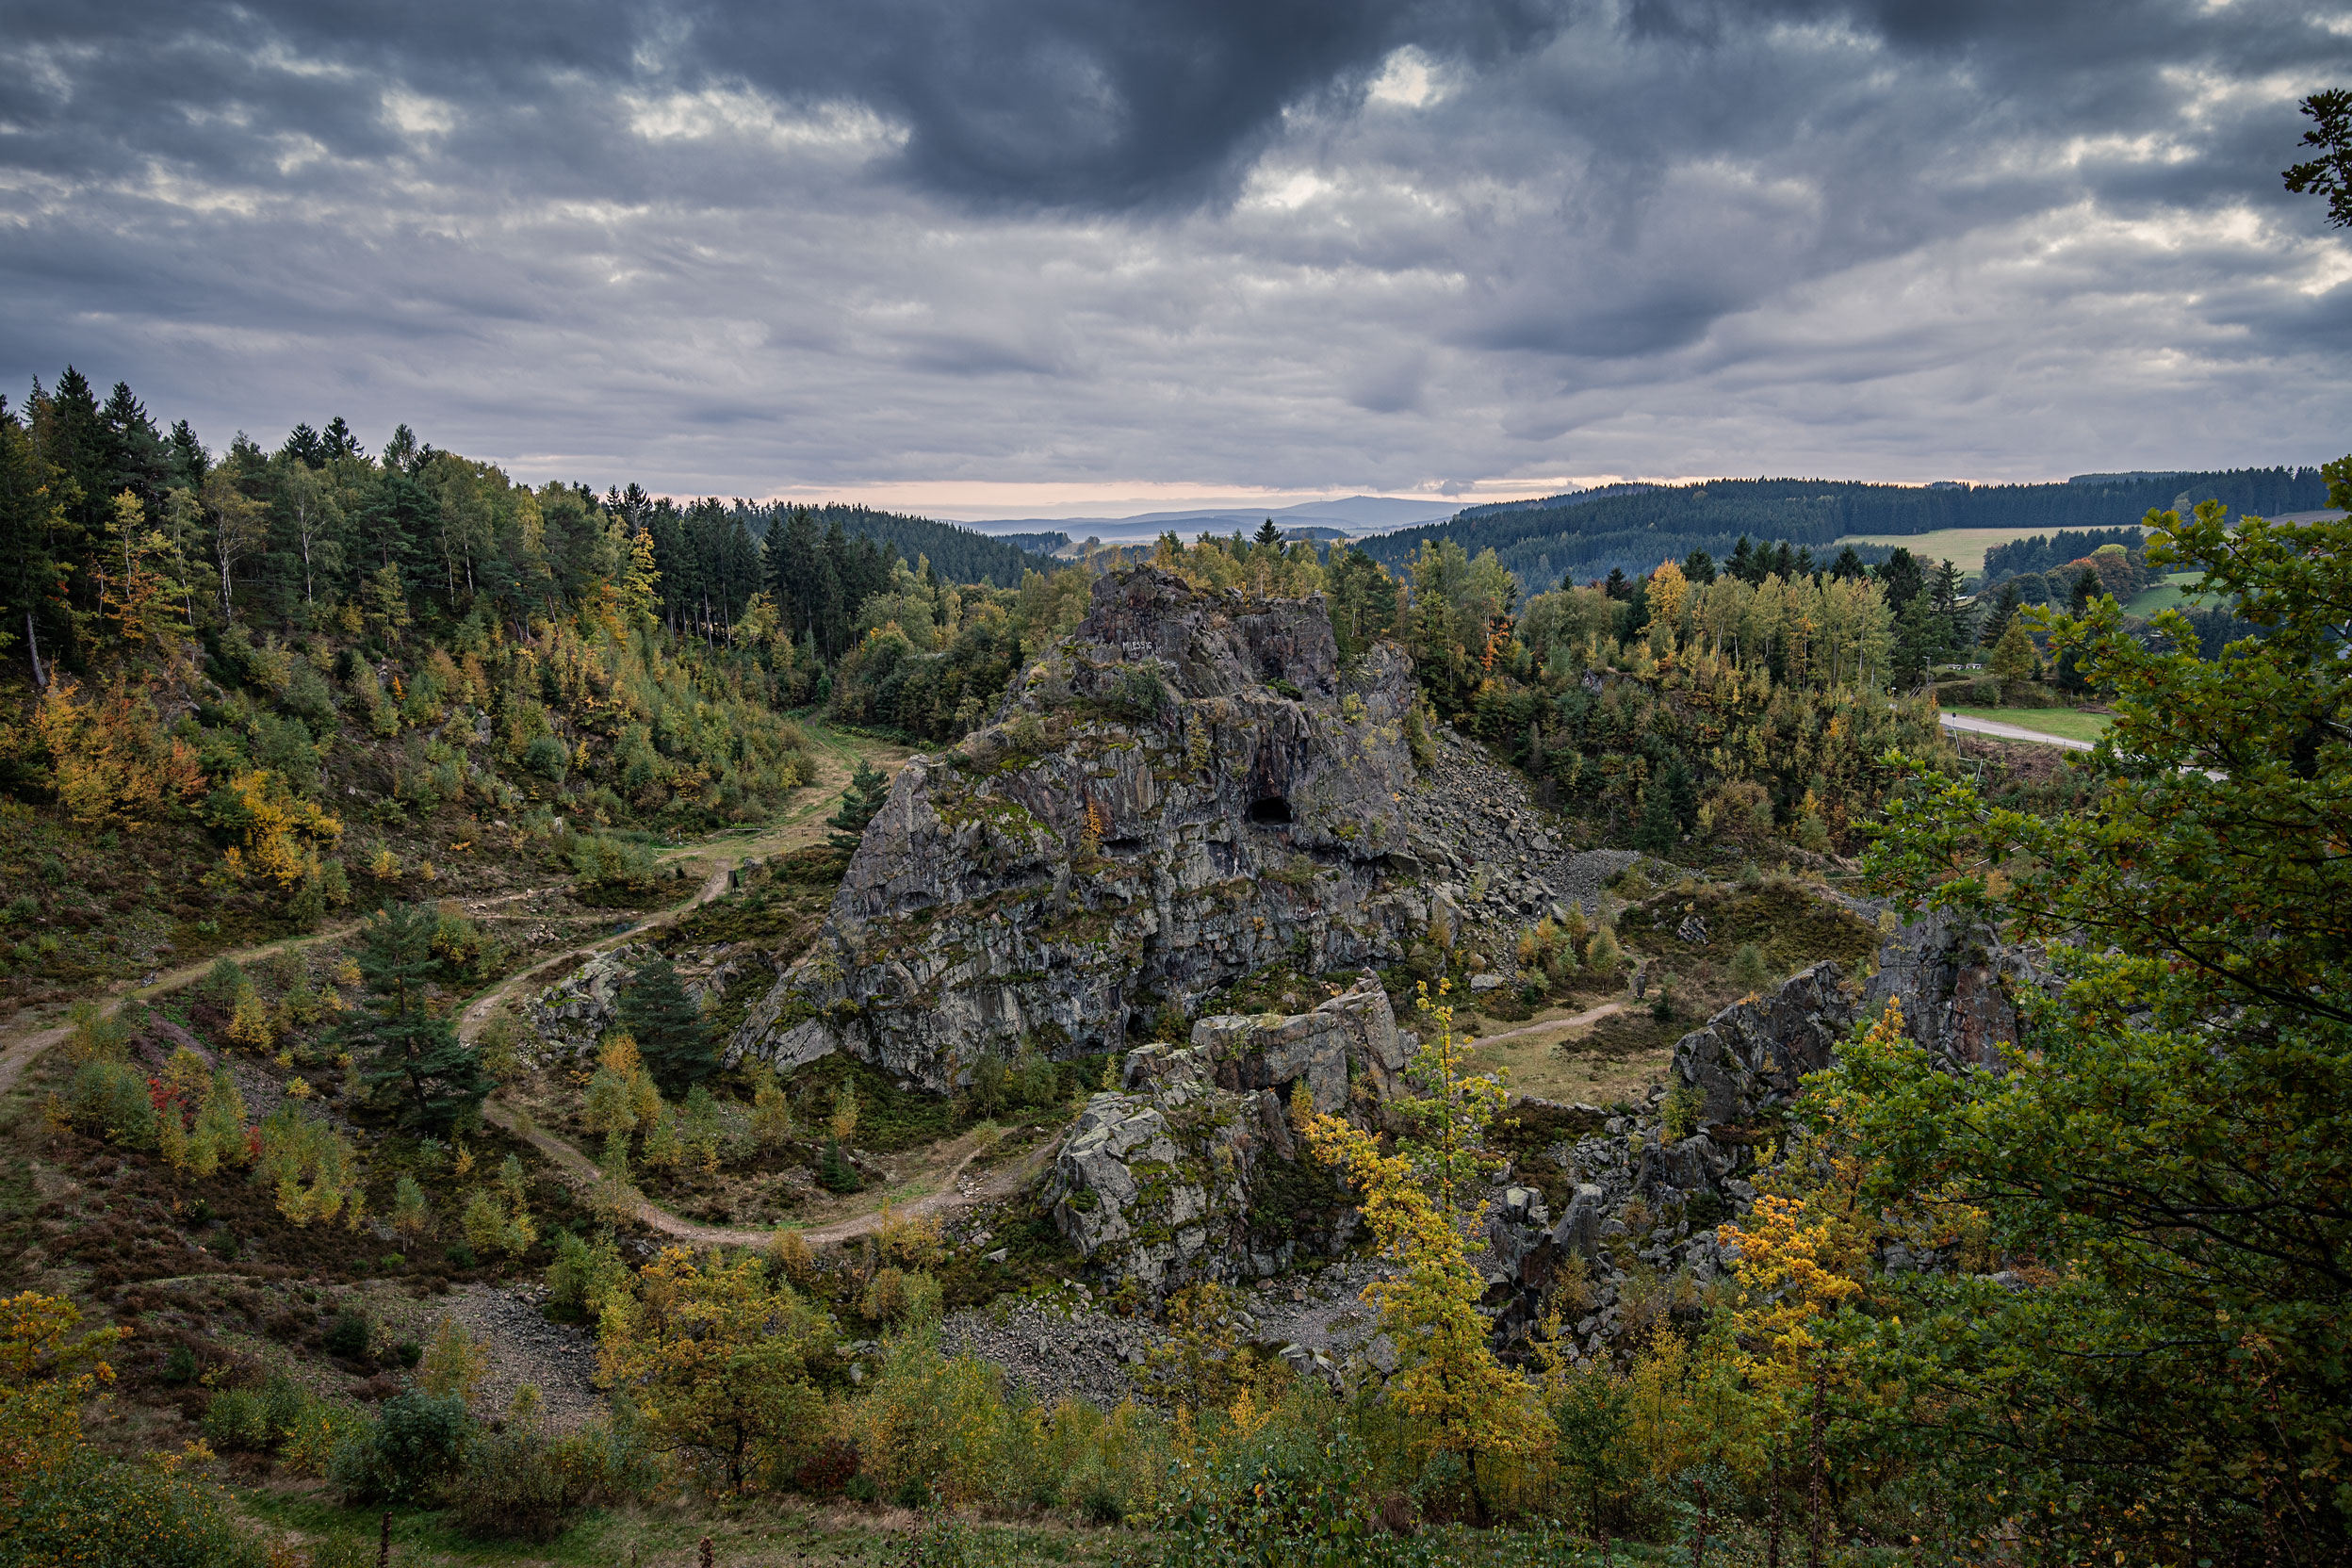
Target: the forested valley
(548, 1025)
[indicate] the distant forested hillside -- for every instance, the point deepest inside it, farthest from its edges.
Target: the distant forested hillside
(959, 553)
(1578, 538)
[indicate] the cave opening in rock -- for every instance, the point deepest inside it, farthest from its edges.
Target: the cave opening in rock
(1270, 809)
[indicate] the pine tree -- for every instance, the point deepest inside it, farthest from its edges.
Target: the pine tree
(868, 788)
(667, 1026)
(2012, 656)
(410, 1057)
(1658, 831)
(2005, 609)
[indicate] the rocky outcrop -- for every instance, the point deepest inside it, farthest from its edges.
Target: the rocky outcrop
(569, 1016)
(1754, 1053)
(1190, 1170)
(1352, 1039)
(1955, 987)
(1189, 788)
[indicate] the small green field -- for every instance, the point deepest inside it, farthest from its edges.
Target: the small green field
(2073, 723)
(2171, 594)
(1964, 548)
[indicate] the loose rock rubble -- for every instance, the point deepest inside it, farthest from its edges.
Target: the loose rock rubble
(1490, 853)
(1054, 1350)
(559, 1359)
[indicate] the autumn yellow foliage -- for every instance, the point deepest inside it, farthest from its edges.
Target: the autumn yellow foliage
(1421, 1202)
(282, 832)
(46, 1371)
(109, 758)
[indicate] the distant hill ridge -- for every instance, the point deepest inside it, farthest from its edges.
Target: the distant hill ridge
(962, 554)
(1586, 534)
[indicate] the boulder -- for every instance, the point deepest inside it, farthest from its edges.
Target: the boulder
(1753, 1054)
(1165, 1181)
(1352, 1038)
(572, 1015)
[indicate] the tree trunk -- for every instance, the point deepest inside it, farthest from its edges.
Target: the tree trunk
(1771, 1536)
(32, 645)
(1819, 1465)
(1698, 1543)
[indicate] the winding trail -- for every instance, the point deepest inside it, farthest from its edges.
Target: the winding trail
(24, 1041)
(1591, 1015)
(801, 827)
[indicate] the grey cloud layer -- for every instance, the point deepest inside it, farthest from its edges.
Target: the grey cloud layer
(736, 248)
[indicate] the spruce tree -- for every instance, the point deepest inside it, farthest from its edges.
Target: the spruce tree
(411, 1059)
(868, 788)
(668, 1027)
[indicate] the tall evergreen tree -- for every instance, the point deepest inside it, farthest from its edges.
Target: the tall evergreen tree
(1901, 577)
(868, 788)
(671, 1033)
(2005, 609)
(410, 1057)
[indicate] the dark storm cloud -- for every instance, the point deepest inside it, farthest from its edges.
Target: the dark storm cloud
(1300, 242)
(1053, 102)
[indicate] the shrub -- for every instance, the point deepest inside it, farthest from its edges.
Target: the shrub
(1138, 693)
(517, 1483)
(793, 1258)
(347, 1335)
(913, 1240)
(98, 1514)
(313, 1168)
(237, 1419)
(583, 1274)
(1604, 954)
(611, 868)
(180, 1365)
(109, 1100)
(1681, 1111)
(416, 1441)
(1748, 968)
(546, 757)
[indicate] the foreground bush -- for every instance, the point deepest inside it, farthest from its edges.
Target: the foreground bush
(98, 1514)
(417, 1439)
(523, 1484)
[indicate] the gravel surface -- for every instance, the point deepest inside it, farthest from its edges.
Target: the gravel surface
(525, 1348)
(1320, 1310)
(1476, 827)
(1056, 1351)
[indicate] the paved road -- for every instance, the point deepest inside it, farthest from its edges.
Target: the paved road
(2009, 731)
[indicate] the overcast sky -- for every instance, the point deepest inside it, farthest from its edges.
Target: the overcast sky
(966, 255)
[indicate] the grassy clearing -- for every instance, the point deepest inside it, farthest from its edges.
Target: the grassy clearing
(1590, 1064)
(2171, 594)
(2073, 723)
(1964, 548)
(760, 1532)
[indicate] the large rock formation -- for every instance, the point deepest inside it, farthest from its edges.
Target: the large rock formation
(1188, 790)
(1190, 1170)
(1956, 988)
